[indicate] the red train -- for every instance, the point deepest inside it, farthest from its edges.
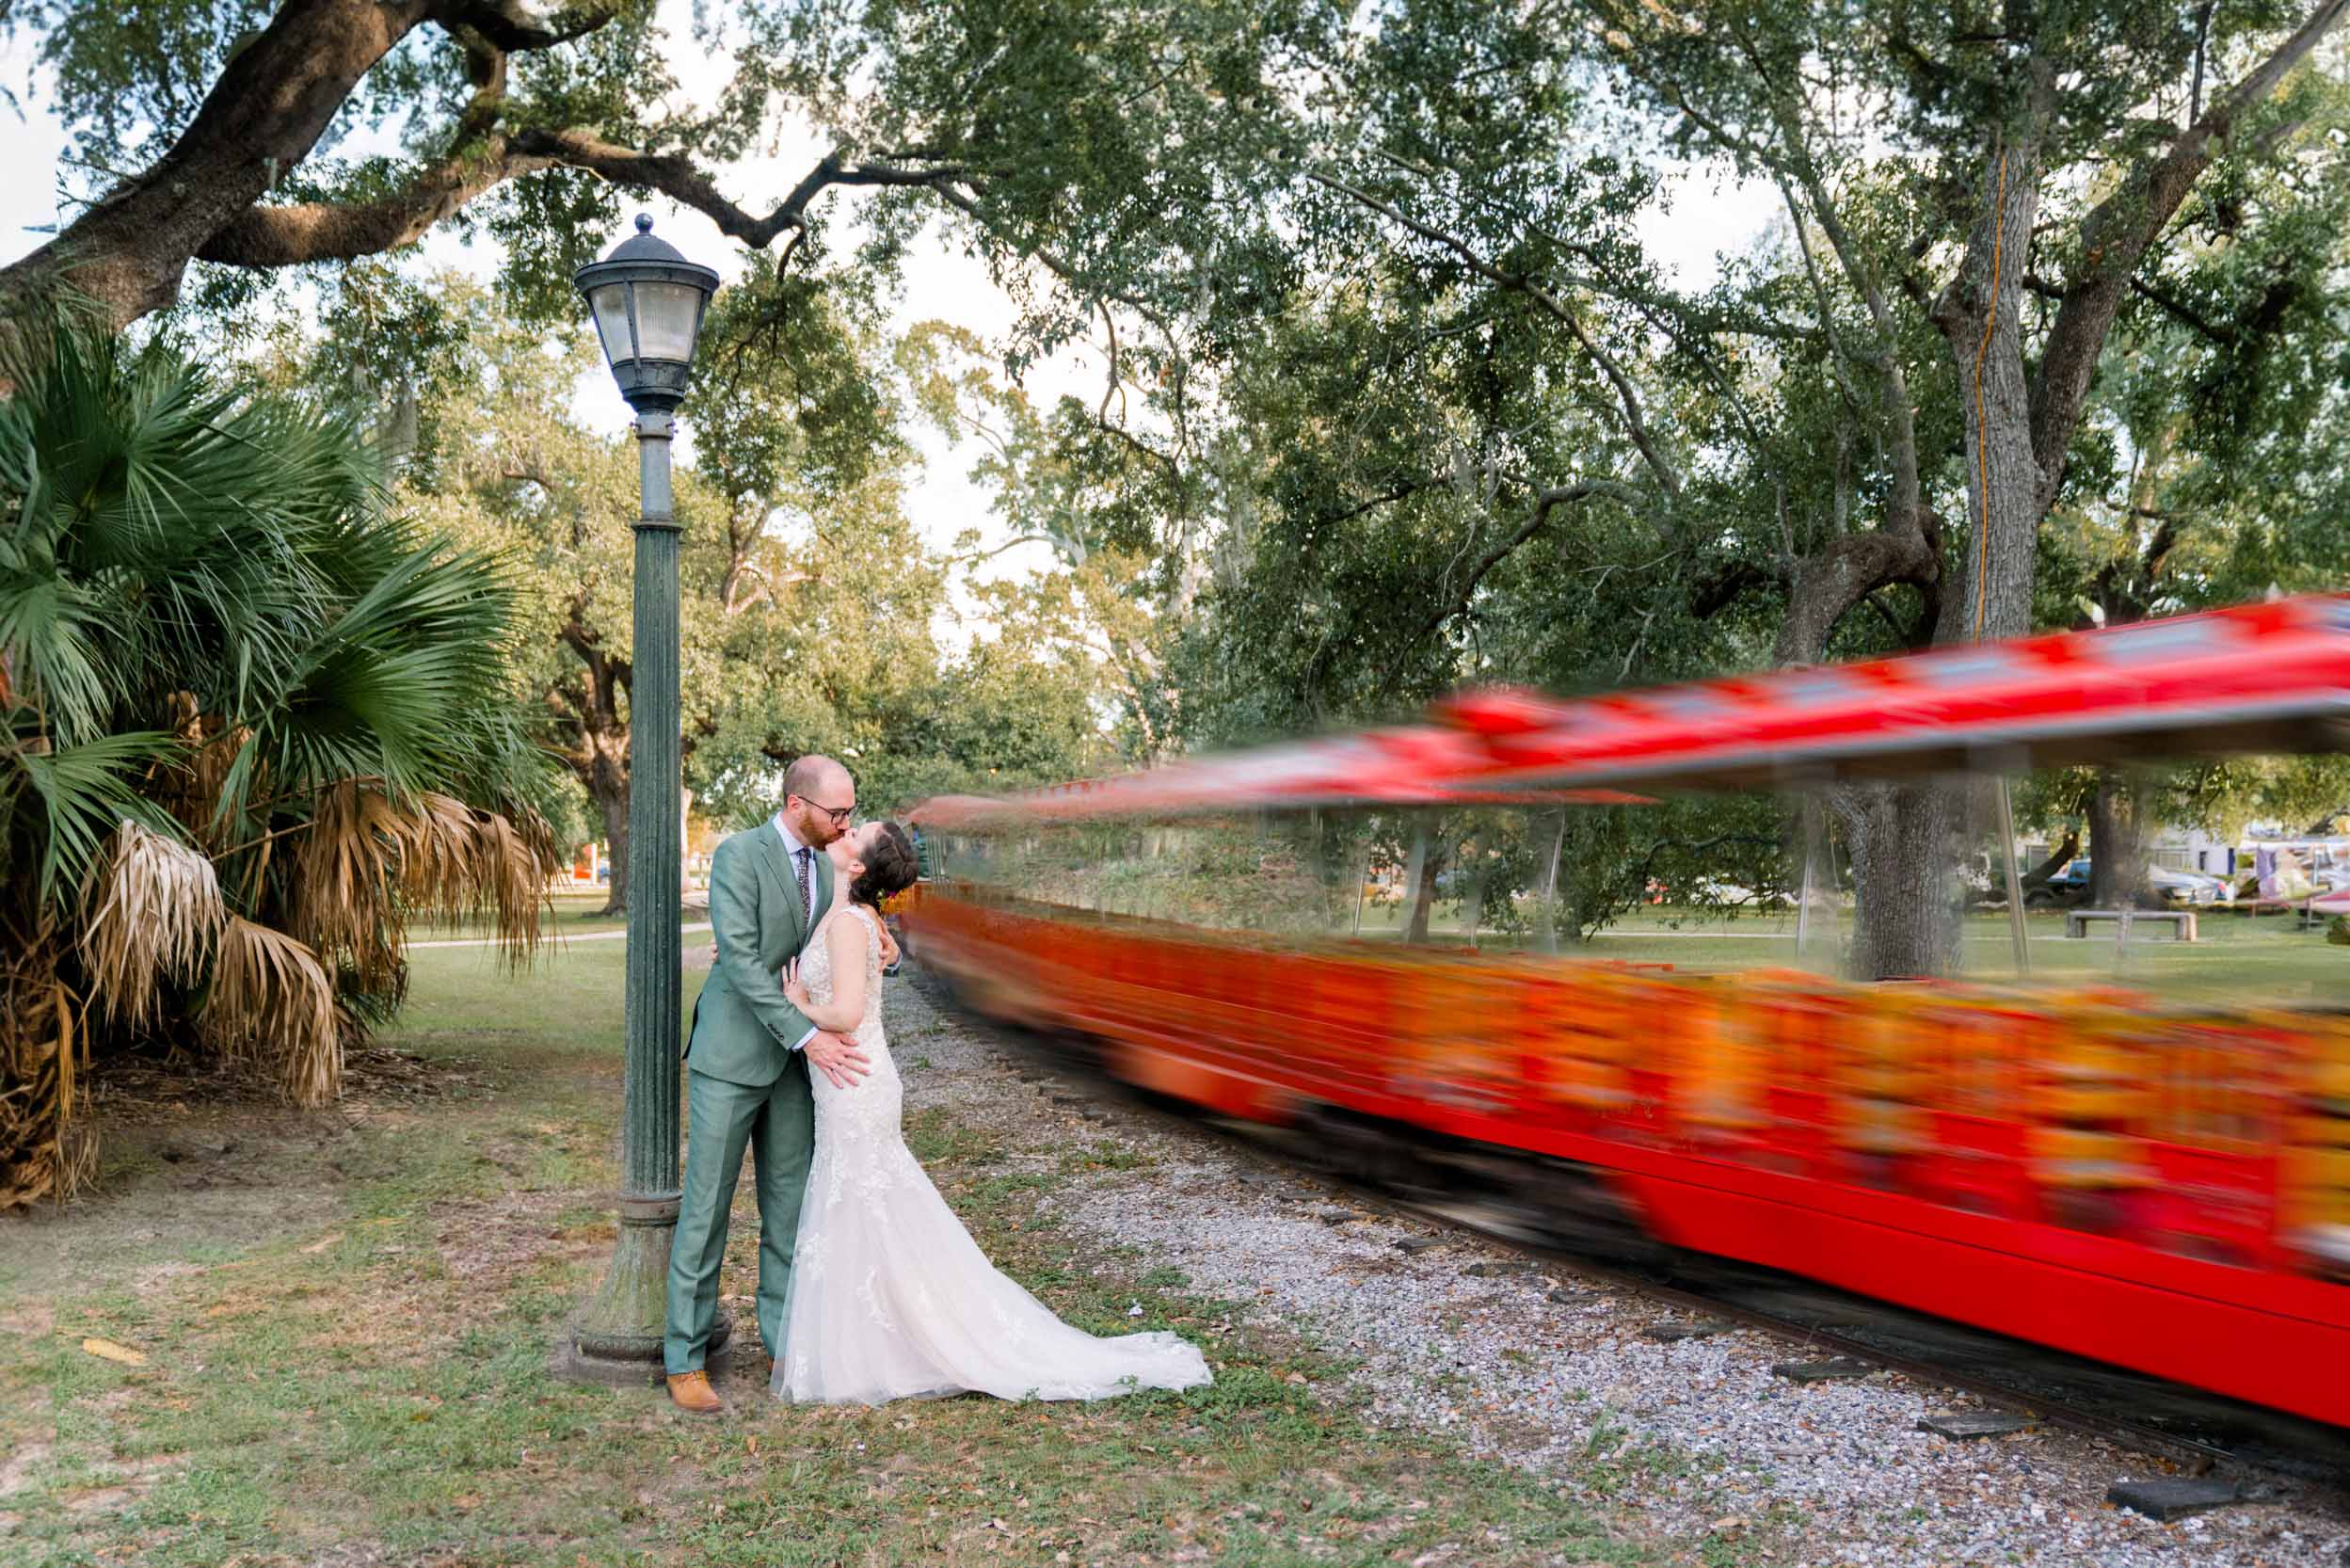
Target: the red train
(2163, 1186)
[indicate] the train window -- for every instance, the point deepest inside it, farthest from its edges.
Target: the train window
(1960, 671)
(2133, 645)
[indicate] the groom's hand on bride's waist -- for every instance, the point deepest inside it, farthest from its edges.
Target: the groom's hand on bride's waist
(836, 1057)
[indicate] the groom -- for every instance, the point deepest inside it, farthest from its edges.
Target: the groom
(747, 1063)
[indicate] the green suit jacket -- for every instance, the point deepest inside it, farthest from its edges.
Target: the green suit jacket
(745, 1027)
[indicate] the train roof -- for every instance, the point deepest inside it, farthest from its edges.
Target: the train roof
(2272, 677)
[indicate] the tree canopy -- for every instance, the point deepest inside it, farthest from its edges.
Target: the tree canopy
(1400, 387)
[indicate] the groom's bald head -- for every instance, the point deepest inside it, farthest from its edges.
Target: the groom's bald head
(813, 773)
(819, 794)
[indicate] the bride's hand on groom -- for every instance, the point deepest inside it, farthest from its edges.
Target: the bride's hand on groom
(836, 1057)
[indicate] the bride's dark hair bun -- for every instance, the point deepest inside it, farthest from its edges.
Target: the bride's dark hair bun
(889, 866)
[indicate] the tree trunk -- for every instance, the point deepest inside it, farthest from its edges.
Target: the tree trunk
(1904, 918)
(2117, 843)
(1546, 926)
(605, 774)
(1904, 852)
(615, 805)
(1420, 883)
(2065, 853)
(1981, 317)
(1472, 869)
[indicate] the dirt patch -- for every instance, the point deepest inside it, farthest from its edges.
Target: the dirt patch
(31, 1317)
(102, 1500)
(146, 1281)
(197, 1153)
(127, 1483)
(487, 1244)
(17, 1472)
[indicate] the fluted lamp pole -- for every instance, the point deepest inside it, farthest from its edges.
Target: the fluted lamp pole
(647, 302)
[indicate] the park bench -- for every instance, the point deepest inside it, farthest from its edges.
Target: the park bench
(2182, 920)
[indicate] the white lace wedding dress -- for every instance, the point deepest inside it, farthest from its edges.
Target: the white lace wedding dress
(890, 1297)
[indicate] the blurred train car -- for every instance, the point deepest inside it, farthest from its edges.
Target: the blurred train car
(2161, 1186)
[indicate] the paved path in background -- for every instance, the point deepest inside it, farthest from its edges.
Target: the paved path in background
(582, 936)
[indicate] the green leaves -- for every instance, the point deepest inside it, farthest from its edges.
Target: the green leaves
(209, 615)
(83, 792)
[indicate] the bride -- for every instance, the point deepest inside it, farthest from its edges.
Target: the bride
(891, 1298)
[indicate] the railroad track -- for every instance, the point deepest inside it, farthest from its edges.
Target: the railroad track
(2205, 1434)
(2201, 1432)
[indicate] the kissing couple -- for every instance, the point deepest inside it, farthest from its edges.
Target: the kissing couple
(869, 1288)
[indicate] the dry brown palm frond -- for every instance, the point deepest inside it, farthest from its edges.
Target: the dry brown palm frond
(191, 787)
(155, 913)
(443, 877)
(273, 1004)
(538, 836)
(512, 889)
(479, 863)
(46, 1149)
(347, 866)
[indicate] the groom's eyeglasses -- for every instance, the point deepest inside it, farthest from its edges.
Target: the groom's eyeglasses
(840, 814)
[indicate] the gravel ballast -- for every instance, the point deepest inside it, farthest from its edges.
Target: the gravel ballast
(1694, 1439)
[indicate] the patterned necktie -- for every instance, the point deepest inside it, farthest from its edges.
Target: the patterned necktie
(799, 867)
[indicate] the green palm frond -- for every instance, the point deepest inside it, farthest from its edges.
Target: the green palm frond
(54, 639)
(213, 627)
(85, 791)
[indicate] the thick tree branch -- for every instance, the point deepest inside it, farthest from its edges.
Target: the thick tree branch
(1710, 595)
(301, 233)
(515, 24)
(273, 100)
(277, 96)
(2115, 234)
(676, 175)
(1844, 573)
(2062, 856)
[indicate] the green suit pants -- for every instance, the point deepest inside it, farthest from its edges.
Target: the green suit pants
(778, 1121)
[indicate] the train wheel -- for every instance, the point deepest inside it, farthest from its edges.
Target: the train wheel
(1377, 1154)
(1574, 1208)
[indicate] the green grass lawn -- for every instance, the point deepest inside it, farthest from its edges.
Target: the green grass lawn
(566, 914)
(348, 1321)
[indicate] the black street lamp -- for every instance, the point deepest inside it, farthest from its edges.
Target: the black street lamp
(647, 303)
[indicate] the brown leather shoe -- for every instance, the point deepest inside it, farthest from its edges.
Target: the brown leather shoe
(691, 1392)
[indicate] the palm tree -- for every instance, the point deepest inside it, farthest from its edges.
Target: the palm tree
(254, 724)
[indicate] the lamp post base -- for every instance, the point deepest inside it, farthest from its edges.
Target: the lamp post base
(617, 1338)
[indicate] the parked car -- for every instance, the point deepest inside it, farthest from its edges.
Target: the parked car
(2186, 889)
(2067, 884)
(2223, 889)
(1717, 891)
